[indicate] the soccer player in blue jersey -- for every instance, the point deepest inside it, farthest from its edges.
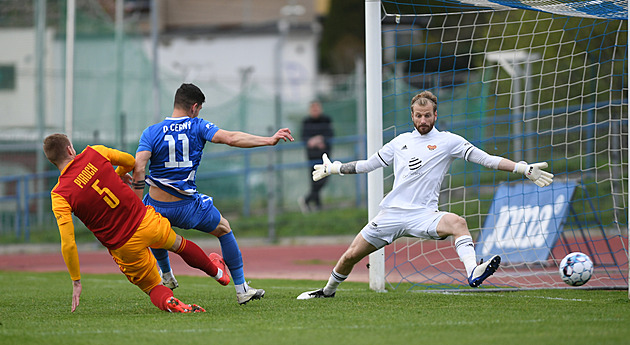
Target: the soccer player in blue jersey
(173, 149)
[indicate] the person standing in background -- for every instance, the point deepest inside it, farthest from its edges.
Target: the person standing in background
(317, 132)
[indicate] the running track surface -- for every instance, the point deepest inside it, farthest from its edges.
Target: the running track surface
(313, 259)
(288, 261)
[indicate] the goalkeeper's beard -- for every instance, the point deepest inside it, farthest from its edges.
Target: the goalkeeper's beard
(424, 129)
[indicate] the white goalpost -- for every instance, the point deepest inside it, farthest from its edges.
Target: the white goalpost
(374, 113)
(527, 80)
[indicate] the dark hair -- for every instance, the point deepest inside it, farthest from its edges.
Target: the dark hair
(55, 147)
(423, 98)
(187, 95)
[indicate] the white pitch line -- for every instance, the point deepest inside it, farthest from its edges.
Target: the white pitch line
(524, 296)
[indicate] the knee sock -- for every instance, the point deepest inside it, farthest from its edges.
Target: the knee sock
(334, 281)
(466, 251)
(161, 255)
(159, 295)
(233, 259)
(195, 257)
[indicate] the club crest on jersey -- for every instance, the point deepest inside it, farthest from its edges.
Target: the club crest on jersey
(432, 147)
(404, 147)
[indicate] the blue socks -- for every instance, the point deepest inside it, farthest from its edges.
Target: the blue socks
(232, 256)
(161, 255)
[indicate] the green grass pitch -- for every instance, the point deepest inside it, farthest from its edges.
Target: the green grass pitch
(35, 309)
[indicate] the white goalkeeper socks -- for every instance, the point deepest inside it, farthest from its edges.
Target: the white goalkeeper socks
(466, 251)
(334, 281)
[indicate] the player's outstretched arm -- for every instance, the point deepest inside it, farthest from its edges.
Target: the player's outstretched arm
(355, 167)
(70, 257)
(282, 134)
(532, 171)
(535, 173)
(327, 168)
(246, 140)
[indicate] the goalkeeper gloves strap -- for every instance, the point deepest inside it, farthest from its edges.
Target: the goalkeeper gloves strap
(535, 173)
(322, 170)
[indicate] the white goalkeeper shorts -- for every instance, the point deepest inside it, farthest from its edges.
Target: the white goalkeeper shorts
(393, 223)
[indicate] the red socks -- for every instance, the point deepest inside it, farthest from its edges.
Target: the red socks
(195, 257)
(159, 295)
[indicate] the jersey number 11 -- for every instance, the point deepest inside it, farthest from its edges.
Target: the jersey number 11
(172, 160)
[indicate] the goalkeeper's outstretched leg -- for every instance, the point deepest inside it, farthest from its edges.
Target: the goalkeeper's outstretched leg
(358, 249)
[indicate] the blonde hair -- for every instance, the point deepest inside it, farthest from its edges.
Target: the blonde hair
(423, 98)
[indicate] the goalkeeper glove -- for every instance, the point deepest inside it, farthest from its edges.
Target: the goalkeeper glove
(322, 170)
(535, 173)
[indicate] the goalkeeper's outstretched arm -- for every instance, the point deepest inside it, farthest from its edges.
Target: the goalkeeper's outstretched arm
(355, 167)
(532, 171)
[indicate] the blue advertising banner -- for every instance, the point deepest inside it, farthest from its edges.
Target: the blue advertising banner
(524, 222)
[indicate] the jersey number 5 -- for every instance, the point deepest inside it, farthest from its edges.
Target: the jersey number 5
(172, 160)
(109, 198)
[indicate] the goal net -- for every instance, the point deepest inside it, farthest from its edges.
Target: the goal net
(526, 80)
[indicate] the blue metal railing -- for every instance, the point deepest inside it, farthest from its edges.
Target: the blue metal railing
(22, 199)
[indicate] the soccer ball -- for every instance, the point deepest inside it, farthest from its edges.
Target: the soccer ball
(576, 269)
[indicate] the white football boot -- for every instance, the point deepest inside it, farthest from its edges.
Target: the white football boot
(483, 271)
(168, 280)
(315, 294)
(249, 295)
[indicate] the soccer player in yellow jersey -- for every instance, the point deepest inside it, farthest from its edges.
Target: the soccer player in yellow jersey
(101, 198)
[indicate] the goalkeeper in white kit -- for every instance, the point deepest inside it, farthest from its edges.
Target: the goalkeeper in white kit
(420, 160)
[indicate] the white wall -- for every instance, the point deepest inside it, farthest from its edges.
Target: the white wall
(221, 59)
(215, 62)
(18, 106)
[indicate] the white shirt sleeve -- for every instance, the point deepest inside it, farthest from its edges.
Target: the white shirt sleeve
(479, 156)
(460, 147)
(382, 158)
(372, 163)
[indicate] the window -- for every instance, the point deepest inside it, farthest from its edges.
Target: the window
(7, 77)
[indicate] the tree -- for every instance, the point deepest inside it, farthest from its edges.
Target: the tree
(343, 36)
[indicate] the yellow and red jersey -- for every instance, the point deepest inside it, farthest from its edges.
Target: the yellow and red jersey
(90, 188)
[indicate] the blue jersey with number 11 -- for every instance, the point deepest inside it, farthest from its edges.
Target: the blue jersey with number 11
(176, 146)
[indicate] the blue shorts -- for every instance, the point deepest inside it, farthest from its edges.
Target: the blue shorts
(197, 213)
